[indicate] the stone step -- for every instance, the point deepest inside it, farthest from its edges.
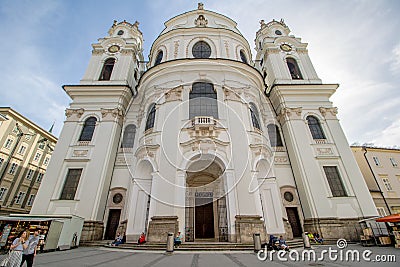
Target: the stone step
(203, 246)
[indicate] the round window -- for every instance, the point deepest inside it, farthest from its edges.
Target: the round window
(120, 32)
(278, 32)
(288, 196)
(201, 50)
(117, 198)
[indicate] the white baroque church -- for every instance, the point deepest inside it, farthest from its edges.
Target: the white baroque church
(203, 140)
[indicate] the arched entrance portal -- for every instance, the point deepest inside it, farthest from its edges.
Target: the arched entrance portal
(205, 212)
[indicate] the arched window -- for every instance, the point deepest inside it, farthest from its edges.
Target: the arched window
(315, 128)
(274, 135)
(129, 136)
(88, 129)
(255, 119)
(107, 69)
(159, 58)
(293, 69)
(151, 115)
(201, 50)
(203, 100)
(243, 57)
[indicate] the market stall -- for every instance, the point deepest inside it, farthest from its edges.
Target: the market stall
(394, 223)
(374, 233)
(57, 232)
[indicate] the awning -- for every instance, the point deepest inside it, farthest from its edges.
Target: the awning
(390, 218)
(7, 218)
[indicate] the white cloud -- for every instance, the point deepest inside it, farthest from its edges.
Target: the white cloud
(395, 66)
(353, 43)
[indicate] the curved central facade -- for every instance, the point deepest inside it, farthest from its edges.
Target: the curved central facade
(204, 140)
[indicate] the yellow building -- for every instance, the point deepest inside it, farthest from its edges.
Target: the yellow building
(25, 152)
(381, 170)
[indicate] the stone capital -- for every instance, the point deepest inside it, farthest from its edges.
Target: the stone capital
(289, 113)
(74, 114)
(325, 112)
(112, 114)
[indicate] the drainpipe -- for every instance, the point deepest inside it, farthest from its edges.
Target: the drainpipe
(376, 181)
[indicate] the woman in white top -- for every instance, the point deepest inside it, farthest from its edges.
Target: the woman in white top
(19, 244)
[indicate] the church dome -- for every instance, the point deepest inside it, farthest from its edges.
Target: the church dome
(200, 33)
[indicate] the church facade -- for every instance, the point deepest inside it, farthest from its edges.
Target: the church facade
(204, 140)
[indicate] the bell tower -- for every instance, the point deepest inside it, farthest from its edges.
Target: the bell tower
(79, 176)
(332, 190)
(116, 58)
(282, 58)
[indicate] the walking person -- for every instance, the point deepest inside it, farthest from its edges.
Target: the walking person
(14, 258)
(30, 252)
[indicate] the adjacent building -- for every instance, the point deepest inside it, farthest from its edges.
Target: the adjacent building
(25, 152)
(204, 140)
(381, 171)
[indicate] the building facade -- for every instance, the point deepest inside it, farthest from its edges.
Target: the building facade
(25, 152)
(204, 140)
(381, 171)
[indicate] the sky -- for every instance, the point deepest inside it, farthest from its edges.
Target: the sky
(355, 43)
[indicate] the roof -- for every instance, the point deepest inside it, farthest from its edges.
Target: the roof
(27, 121)
(377, 148)
(390, 218)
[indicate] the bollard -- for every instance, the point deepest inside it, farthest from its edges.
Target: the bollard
(257, 242)
(306, 240)
(170, 242)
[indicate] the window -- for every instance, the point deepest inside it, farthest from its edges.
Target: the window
(381, 211)
(22, 150)
(376, 161)
(293, 69)
(3, 191)
(1, 161)
(203, 100)
(37, 156)
(274, 135)
(201, 50)
(243, 56)
(335, 182)
(120, 32)
(8, 143)
(29, 175)
(88, 129)
(255, 119)
(71, 184)
(20, 197)
(151, 116)
(13, 168)
(39, 177)
(107, 69)
(387, 184)
(315, 128)
(129, 136)
(394, 162)
(31, 199)
(159, 58)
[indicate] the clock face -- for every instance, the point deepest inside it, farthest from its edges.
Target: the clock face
(286, 47)
(113, 49)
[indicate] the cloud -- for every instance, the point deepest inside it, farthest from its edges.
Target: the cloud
(395, 59)
(353, 43)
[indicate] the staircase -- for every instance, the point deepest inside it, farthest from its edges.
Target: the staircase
(200, 246)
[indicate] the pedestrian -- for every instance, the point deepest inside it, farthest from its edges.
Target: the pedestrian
(178, 239)
(14, 257)
(30, 252)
